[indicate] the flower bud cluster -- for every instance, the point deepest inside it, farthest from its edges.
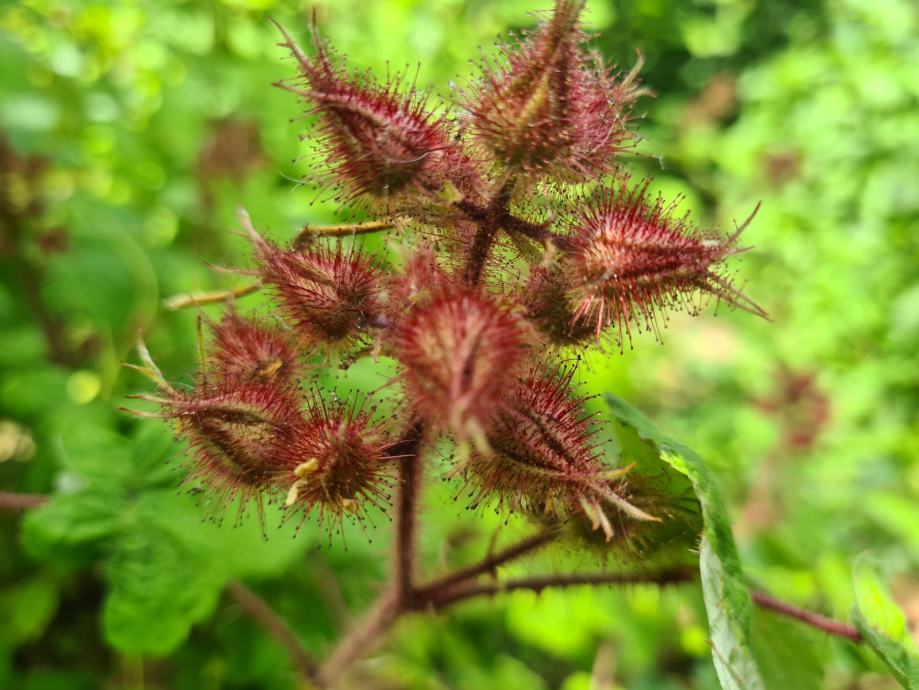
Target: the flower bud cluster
(474, 318)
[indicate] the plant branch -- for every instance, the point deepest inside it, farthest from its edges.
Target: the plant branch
(815, 620)
(269, 620)
(487, 565)
(343, 230)
(410, 475)
(11, 501)
(197, 299)
(449, 596)
(360, 640)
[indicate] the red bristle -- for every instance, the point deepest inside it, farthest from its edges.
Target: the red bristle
(629, 259)
(328, 293)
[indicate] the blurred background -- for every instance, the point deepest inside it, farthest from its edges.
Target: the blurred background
(130, 132)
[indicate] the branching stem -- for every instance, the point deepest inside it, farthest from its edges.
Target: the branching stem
(815, 620)
(344, 230)
(273, 624)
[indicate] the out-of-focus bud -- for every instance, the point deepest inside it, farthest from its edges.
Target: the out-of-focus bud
(629, 259)
(245, 350)
(460, 351)
(552, 108)
(420, 280)
(337, 464)
(328, 293)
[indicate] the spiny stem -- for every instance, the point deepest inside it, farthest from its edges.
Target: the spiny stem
(197, 299)
(11, 501)
(344, 230)
(815, 620)
(273, 624)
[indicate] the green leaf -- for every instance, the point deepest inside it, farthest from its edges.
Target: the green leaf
(724, 590)
(70, 521)
(788, 654)
(883, 625)
(159, 587)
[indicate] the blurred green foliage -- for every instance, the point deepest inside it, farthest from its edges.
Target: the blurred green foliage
(131, 132)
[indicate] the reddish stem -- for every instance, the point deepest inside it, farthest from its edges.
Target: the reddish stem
(410, 476)
(12, 501)
(262, 613)
(448, 596)
(487, 565)
(815, 620)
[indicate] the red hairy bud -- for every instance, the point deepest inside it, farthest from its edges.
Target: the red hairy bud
(338, 463)
(329, 293)
(549, 308)
(379, 143)
(236, 437)
(421, 279)
(552, 109)
(544, 456)
(629, 259)
(244, 350)
(460, 352)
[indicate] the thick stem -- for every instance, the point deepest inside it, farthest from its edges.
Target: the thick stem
(260, 611)
(481, 247)
(12, 501)
(815, 620)
(410, 475)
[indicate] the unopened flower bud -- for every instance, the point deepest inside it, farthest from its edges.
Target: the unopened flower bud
(236, 437)
(552, 109)
(460, 352)
(380, 143)
(544, 456)
(245, 350)
(629, 259)
(329, 293)
(337, 464)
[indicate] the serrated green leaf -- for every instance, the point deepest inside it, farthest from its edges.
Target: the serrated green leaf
(159, 587)
(724, 590)
(883, 625)
(70, 521)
